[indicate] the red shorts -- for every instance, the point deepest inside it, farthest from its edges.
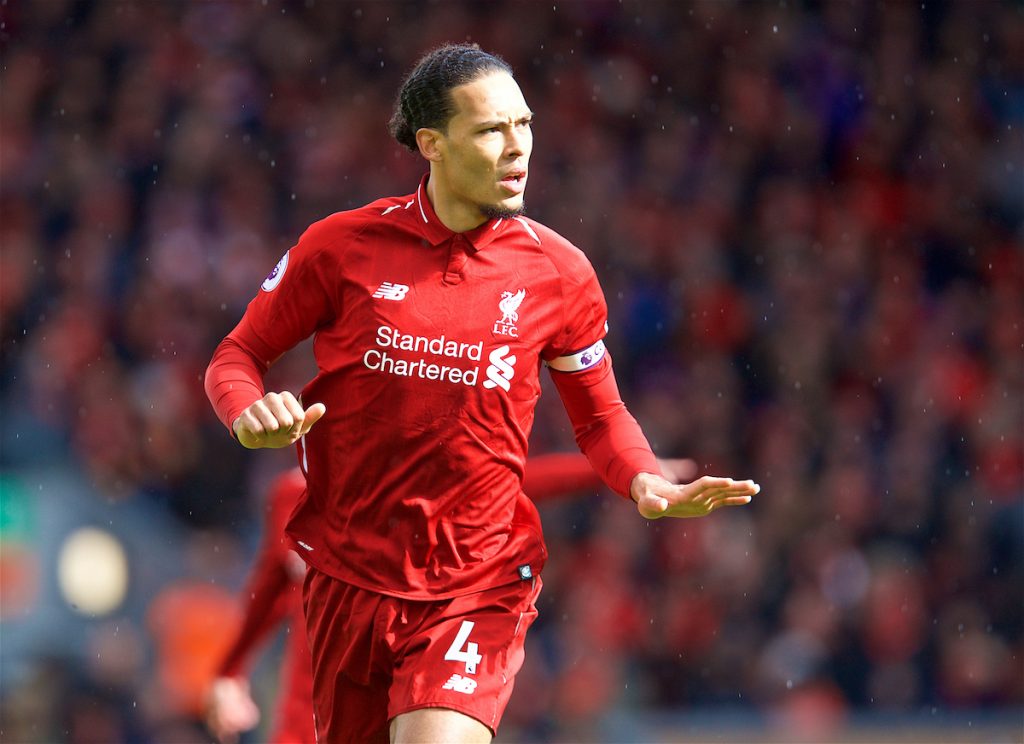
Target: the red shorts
(376, 657)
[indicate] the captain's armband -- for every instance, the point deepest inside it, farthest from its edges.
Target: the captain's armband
(581, 360)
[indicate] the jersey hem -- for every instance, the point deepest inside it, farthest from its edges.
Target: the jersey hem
(415, 596)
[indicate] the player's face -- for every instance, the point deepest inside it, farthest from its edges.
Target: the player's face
(486, 148)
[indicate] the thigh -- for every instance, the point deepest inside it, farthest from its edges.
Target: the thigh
(463, 654)
(438, 724)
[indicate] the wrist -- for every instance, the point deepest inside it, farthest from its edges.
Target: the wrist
(637, 484)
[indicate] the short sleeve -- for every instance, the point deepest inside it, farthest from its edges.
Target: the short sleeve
(579, 344)
(297, 297)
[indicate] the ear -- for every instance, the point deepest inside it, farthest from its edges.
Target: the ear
(430, 142)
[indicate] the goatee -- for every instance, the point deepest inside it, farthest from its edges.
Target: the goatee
(495, 212)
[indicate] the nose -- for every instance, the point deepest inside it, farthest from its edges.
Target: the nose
(516, 143)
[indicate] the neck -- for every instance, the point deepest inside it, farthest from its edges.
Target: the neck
(455, 215)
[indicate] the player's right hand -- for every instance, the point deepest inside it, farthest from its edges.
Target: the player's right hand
(275, 420)
(230, 709)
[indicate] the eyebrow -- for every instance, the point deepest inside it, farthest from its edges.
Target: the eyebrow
(499, 122)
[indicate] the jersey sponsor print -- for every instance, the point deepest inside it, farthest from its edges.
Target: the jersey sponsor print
(501, 369)
(440, 358)
(437, 353)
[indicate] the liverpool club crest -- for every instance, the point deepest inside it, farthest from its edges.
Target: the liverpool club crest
(509, 307)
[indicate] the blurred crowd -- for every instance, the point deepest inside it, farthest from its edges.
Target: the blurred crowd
(806, 217)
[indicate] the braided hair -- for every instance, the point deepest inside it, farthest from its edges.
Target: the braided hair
(424, 99)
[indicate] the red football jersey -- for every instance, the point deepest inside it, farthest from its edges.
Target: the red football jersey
(428, 345)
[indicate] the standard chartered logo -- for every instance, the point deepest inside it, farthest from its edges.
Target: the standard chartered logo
(439, 358)
(499, 372)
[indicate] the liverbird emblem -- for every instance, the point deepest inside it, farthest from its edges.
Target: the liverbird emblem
(509, 306)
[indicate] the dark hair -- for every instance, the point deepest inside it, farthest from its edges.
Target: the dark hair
(424, 99)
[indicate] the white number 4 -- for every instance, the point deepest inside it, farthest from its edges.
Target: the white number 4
(469, 655)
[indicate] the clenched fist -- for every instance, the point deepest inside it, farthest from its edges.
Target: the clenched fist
(275, 420)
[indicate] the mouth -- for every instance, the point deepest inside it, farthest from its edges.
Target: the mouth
(514, 181)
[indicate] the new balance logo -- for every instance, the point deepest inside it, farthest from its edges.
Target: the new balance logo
(500, 371)
(460, 684)
(390, 291)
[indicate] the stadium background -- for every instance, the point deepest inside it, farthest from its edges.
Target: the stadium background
(806, 217)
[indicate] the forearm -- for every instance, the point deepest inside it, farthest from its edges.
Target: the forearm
(234, 380)
(266, 604)
(273, 583)
(605, 431)
(618, 450)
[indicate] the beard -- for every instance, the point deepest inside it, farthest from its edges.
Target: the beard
(495, 212)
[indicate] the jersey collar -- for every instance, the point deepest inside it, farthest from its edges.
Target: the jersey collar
(435, 231)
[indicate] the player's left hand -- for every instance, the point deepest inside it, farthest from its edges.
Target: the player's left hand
(655, 497)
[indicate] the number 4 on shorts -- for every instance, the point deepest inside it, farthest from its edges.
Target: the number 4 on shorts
(469, 655)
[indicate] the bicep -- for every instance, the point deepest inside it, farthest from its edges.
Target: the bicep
(290, 310)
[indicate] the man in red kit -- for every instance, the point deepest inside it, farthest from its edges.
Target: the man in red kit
(272, 593)
(432, 314)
